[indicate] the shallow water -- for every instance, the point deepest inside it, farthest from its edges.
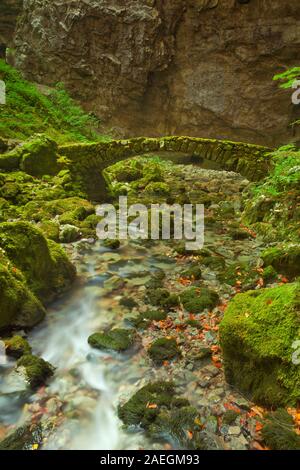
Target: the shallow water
(77, 407)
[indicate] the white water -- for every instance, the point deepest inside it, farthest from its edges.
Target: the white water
(62, 340)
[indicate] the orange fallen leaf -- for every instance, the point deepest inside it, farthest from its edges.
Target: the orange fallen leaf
(190, 435)
(258, 426)
(151, 406)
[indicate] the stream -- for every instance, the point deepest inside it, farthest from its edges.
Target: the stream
(77, 407)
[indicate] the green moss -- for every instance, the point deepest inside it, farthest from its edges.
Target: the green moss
(229, 417)
(28, 111)
(257, 334)
(69, 233)
(111, 244)
(128, 302)
(162, 298)
(193, 272)
(284, 258)
(164, 415)
(163, 349)
(278, 431)
(269, 274)
(18, 306)
(44, 263)
(36, 370)
(154, 315)
(136, 411)
(179, 427)
(23, 438)
(117, 339)
(17, 346)
(196, 299)
(156, 280)
(50, 229)
(157, 189)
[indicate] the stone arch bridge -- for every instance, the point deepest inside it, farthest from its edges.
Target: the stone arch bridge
(87, 161)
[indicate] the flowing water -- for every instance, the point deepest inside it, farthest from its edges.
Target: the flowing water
(77, 407)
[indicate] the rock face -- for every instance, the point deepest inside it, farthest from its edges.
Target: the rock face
(9, 11)
(195, 67)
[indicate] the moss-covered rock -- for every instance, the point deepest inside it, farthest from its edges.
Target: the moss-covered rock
(17, 346)
(117, 339)
(162, 298)
(278, 431)
(128, 302)
(257, 334)
(69, 233)
(163, 349)
(36, 371)
(157, 189)
(23, 438)
(284, 258)
(196, 299)
(111, 244)
(156, 280)
(143, 320)
(194, 272)
(229, 417)
(71, 210)
(19, 308)
(37, 156)
(137, 411)
(44, 264)
(164, 415)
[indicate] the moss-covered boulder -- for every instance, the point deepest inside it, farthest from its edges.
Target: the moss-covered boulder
(111, 244)
(162, 298)
(196, 299)
(35, 370)
(279, 433)
(71, 210)
(117, 339)
(164, 415)
(143, 320)
(17, 346)
(44, 263)
(37, 156)
(19, 308)
(69, 233)
(194, 272)
(137, 410)
(23, 438)
(163, 349)
(157, 189)
(257, 336)
(284, 258)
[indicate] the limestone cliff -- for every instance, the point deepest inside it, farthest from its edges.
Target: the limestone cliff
(197, 67)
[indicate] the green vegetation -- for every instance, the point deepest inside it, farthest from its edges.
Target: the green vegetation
(272, 206)
(36, 370)
(29, 111)
(288, 77)
(17, 346)
(278, 431)
(196, 299)
(164, 415)
(117, 339)
(257, 334)
(163, 349)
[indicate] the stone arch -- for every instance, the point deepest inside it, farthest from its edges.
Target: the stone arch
(87, 161)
